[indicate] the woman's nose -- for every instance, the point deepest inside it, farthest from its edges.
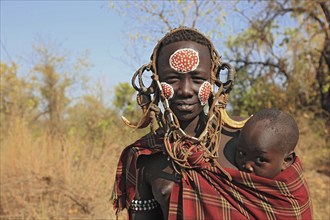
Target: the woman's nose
(185, 88)
(248, 166)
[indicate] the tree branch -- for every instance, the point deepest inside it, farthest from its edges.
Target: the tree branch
(264, 63)
(196, 13)
(326, 11)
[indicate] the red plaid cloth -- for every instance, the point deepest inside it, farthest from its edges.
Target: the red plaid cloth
(209, 192)
(125, 181)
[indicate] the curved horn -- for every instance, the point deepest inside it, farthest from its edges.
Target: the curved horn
(229, 122)
(144, 102)
(144, 122)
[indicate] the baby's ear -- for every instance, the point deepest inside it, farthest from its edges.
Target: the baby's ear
(288, 160)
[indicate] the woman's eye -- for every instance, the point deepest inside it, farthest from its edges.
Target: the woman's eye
(171, 76)
(199, 80)
(172, 80)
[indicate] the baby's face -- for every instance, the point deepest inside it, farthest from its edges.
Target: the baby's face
(258, 152)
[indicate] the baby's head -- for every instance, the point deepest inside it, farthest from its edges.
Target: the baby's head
(266, 143)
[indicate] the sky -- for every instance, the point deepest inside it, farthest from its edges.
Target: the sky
(76, 25)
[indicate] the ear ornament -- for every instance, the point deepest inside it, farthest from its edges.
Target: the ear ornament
(167, 90)
(204, 92)
(143, 99)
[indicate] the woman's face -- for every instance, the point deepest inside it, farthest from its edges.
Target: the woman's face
(184, 70)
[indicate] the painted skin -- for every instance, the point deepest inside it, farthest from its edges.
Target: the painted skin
(185, 103)
(203, 93)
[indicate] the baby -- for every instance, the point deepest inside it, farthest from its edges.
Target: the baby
(266, 143)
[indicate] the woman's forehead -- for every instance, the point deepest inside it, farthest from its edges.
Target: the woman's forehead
(184, 56)
(171, 48)
(184, 60)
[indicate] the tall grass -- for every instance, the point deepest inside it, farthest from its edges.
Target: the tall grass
(47, 178)
(314, 150)
(69, 178)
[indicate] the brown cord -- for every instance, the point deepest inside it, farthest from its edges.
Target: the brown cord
(175, 137)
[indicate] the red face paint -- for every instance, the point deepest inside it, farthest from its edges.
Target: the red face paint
(184, 60)
(168, 90)
(204, 92)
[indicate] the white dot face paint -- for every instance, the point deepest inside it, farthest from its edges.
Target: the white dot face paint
(168, 90)
(184, 60)
(204, 92)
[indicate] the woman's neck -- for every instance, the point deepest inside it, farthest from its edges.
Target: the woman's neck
(195, 126)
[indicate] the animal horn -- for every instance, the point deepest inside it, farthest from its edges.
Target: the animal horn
(229, 122)
(144, 101)
(144, 122)
(128, 123)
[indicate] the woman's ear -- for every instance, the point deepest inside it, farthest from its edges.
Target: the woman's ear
(288, 160)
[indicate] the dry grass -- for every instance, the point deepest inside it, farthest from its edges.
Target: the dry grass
(43, 178)
(314, 150)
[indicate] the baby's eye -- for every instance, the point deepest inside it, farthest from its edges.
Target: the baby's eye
(241, 153)
(261, 160)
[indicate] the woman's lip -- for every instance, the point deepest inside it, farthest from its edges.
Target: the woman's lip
(184, 107)
(177, 102)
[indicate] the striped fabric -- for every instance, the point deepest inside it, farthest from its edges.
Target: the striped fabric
(125, 180)
(208, 192)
